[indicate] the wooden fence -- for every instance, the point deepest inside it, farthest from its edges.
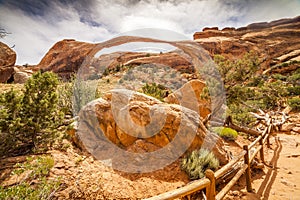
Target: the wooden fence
(209, 183)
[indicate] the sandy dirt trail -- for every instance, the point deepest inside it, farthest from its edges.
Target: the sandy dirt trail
(282, 182)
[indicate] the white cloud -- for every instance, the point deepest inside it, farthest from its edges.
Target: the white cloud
(33, 35)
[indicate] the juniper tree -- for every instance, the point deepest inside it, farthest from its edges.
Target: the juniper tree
(29, 119)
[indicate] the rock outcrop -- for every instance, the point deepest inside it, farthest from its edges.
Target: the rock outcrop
(138, 123)
(189, 96)
(7, 61)
(272, 41)
(65, 57)
(21, 74)
(171, 59)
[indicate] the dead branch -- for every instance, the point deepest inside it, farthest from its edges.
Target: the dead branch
(229, 123)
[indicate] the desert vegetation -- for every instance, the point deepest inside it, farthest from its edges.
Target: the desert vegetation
(248, 90)
(38, 119)
(197, 162)
(30, 119)
(35, 168)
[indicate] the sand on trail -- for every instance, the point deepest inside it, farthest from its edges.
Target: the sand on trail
(282, 182)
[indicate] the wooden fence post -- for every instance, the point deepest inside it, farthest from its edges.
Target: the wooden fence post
(211, 193)
(248, 170)
(261, 152)
(268, 135)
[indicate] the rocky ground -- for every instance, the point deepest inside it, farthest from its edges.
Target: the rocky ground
(83, 177)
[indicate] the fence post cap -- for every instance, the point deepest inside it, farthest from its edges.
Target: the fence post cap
(209, 173)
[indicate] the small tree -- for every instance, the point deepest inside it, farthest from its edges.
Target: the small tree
(30, 120)
(40, 112)
(155, 90)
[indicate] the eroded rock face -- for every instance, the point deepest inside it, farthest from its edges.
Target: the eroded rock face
(172, 60)
(65, 57)
(189, 96)
(127, 122)
(7, 61)
(7, 56)
(270, 40)
(21, 75)
(6, 73)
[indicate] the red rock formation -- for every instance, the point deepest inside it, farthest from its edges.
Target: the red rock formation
(7, 61)
(228, 29)
(210, 29)
(65, 57)
(172, 60)
(270, 40)
(6, 73)
(142, 124)
(184, 96)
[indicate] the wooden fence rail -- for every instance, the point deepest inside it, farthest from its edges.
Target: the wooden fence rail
(244, 159)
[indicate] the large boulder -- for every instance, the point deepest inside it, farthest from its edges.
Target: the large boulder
(6, 74)
(127, 122)
(7, 56)
(7, 61)
(21, 76)
(190, 95)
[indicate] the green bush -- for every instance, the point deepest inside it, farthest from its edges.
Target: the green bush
(294, 103)
(65, 95)
(84, 91)
(226, 133)
(42, 188)
(29, 119)
(155, 90)
(272, 94)
(40, 166)
(294, 78)
(293, 90)
(279, 77)
(197, 162)
(241, 114)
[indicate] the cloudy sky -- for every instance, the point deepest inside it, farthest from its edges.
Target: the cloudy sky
(35, 25)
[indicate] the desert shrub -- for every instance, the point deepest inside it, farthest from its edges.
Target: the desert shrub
(272, 95)
(42, 190)
(226, 133)
(197, 162)
(279, 77)
(255, 81)
(39, 169)
(241, 114)
(294, 78)
(65, 94)
(39, 166)
(155, 90)
(294, 103)
(84, 91)
(29, 119)
(293, 90)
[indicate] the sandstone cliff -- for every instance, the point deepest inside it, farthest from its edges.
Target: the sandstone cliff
(275, 42)
(65, 57)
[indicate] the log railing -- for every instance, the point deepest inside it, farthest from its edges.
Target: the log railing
(243, 161)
